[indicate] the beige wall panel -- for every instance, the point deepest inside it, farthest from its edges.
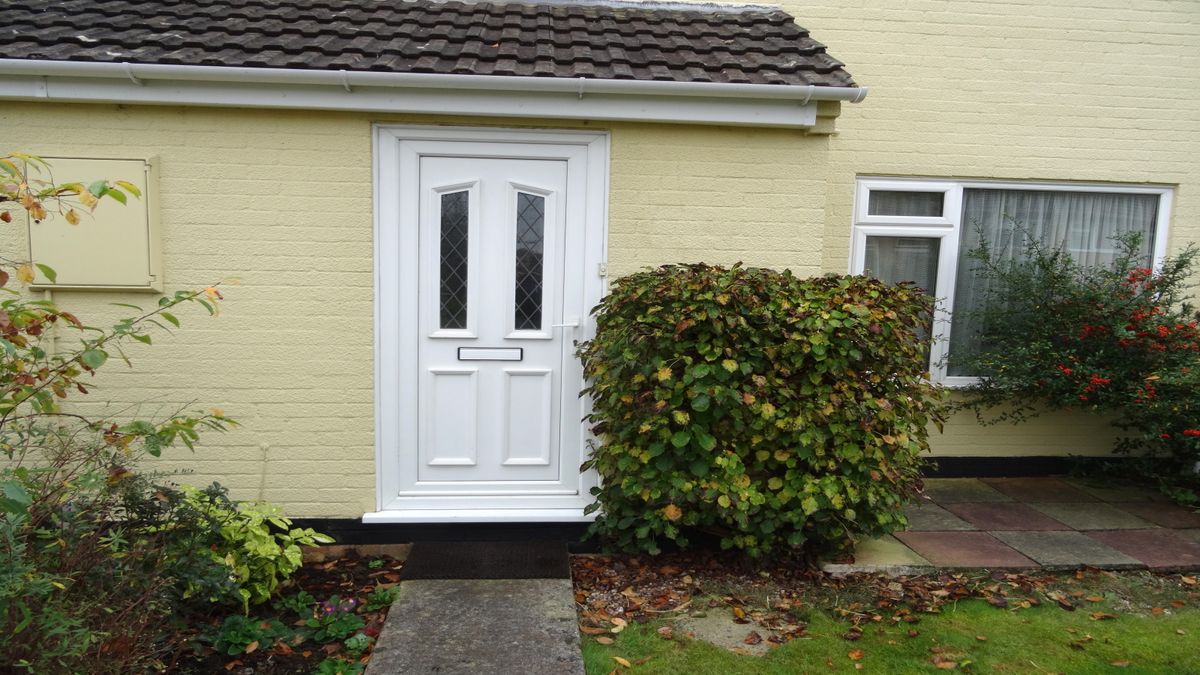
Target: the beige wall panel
(281, 201)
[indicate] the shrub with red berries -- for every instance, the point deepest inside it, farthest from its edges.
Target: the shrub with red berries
(1120, 339)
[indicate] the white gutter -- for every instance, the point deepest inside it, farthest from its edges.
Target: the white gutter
(341, 78)
(412, 92)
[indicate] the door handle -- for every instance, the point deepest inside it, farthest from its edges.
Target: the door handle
(570, 324)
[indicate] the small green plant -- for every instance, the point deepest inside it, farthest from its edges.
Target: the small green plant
(356, 645)
(381, 598)
(340, 667)
(376, 564)
(299, 603)
(241, 634)
(335, 619)
(255, 542)
(764, 409)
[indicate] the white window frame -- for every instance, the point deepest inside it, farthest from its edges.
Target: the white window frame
(948, 228)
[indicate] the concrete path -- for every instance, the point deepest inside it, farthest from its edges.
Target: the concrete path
(480, 626)
(1030, 523)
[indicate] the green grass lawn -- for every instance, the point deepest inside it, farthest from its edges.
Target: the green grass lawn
(971, 634)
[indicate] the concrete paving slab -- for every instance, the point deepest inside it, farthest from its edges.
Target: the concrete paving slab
(465, 627)
(884, 555)
(950, 490)
(965, 549)
(1160, 549)
(718, 627)
(1165, 515)
(924, 516)
(1004, 516)
(1194, 535)
(1066, 550)
(1116, 493)
(1092, 516)
(1038, 490)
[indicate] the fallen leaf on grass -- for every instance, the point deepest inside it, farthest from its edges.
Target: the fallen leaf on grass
(1119, 664)
(618, 624)
(997, 601)
(1095, 598)
(604, 640)
(1190, 581)
(592, 630)
(943, 663)
(853, 634)
(912, 632)
(643, 660)
(623, 662)
(666, 632)
(981, 638)
(1101, 616)
(753, 638)
(1177, 603)
(1157, 611)
(856, 655)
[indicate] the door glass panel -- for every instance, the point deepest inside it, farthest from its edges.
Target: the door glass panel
(530, 238)
(454, 260)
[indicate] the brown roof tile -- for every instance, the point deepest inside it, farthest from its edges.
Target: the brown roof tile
(705, 43)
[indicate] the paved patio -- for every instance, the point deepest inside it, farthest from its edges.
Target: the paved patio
(1029, 523)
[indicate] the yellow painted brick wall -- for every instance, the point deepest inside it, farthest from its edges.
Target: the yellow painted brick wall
(1082, 90)
(281, 202)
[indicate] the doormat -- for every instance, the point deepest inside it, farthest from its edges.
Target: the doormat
(487, 560)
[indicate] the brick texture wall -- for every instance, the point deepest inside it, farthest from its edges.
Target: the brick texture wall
(280, 203)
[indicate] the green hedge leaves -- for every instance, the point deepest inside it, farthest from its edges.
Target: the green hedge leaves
(768, 410)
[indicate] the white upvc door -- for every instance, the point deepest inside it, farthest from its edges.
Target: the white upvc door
(489, 249)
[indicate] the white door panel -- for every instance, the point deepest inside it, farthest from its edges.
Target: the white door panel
(501, 236)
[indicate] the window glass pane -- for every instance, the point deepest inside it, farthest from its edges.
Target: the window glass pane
(454, 260)
(530, 237)
(903, 203)
(896, 259)
(1084, 223)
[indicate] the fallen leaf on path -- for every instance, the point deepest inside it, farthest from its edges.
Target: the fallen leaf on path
(753, 638)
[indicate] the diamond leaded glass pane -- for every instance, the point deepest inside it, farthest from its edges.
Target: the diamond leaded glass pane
(530, 238)
(454, 260)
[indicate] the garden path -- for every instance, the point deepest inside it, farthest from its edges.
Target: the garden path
(1029, 523)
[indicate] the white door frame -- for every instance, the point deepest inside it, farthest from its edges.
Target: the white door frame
(396, 283)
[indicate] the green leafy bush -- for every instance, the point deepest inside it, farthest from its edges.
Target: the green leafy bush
(97, 558)
(768, 410)
(254, 541)
(1119, 339)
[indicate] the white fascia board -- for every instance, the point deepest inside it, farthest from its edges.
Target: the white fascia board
(483, 95)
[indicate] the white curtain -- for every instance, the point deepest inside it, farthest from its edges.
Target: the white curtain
(1083, 223)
